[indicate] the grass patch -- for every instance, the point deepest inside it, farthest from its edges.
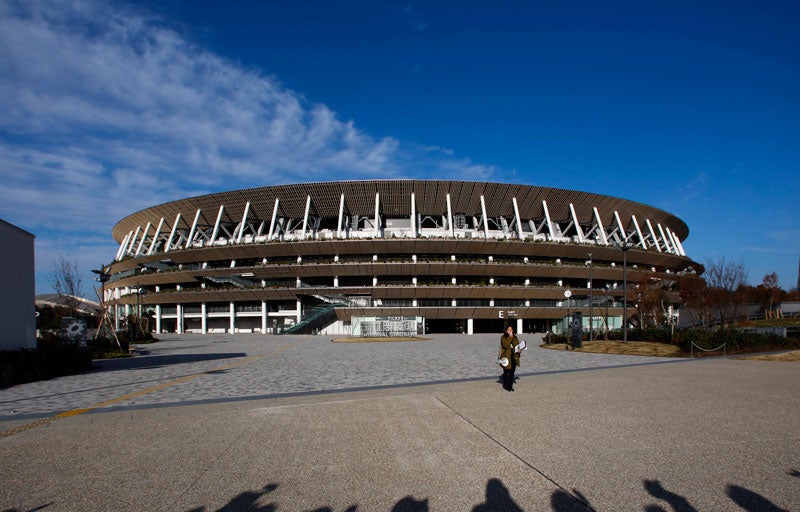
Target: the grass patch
(772, 322)
(631, 348)
(783, 356)
(379, 340)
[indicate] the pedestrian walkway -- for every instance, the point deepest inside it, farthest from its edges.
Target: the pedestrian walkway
(302, 424)
(202, 368)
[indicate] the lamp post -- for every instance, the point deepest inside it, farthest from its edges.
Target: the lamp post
(624, 247)
(607, 292)
(591, 309)
(567, 295)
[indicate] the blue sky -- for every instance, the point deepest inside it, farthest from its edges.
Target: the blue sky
(109, 107)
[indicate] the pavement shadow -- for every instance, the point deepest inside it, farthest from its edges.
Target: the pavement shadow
(246, 501)
(150, 362)
(751, 501)
(498, 498)
(676, 501)
(562, 501)
(746, 499)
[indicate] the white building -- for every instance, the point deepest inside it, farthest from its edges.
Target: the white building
(17, 289)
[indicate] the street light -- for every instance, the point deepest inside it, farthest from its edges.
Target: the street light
(607, 293)
(591, 310)
(624, 247)
(567, 295)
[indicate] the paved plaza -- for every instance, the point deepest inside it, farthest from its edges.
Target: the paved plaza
(285, 423)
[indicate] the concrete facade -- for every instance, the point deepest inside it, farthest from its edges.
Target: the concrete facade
(17, 319)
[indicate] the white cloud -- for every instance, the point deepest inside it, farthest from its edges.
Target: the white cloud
(108, 111)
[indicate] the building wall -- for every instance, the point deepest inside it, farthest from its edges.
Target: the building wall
(17, 298)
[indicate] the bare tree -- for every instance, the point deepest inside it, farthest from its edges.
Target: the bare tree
(67, 282)
(724, 279)
(774, 293)
(694, 295)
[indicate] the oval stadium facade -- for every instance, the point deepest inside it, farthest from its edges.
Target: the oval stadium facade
(391, 257)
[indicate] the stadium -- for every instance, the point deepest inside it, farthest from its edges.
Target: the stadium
(391, 257)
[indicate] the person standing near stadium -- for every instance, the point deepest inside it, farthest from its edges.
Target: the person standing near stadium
(508, 350)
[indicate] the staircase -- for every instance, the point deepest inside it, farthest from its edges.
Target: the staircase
(315, 317)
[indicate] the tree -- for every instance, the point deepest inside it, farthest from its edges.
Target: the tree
(725, 280)
(694, 295)
(67, 282)
(771, 291)
(655, 297)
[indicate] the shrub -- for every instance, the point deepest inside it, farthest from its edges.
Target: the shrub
(736, 341)
(553, 339)
(54, 356)
(126, 339)
(103, 347)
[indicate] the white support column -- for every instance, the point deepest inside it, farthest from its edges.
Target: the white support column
(263, 317)
(470, 326)
(678, 244)
(620, 226)
(216, 225)
(519, 220)
(203, 318)
(305, 218)
(519, 326)
(671, 239)
(144, 237)
(158, 318)
(581, 236)
(274, 219)
(133, 240)
(172, 232)
(413, 215)
(450, 217)
(639, 232)
(341, 217)
(485, 223)
(377, 215)
(123, 245)
(243, 224)
(667, 245)
(653, 234)
(193, 228)
(549, 220)
(299, 311)
(232, 326)
(155, 237)
(600, 227)
(179, 318)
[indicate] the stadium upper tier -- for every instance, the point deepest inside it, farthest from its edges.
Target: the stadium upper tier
(409, 240)
(399, 209)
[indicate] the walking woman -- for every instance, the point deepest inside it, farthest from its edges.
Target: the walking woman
(508, 350)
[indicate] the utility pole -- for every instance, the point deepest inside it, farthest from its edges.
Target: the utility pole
(591, 309)
(624, 247)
